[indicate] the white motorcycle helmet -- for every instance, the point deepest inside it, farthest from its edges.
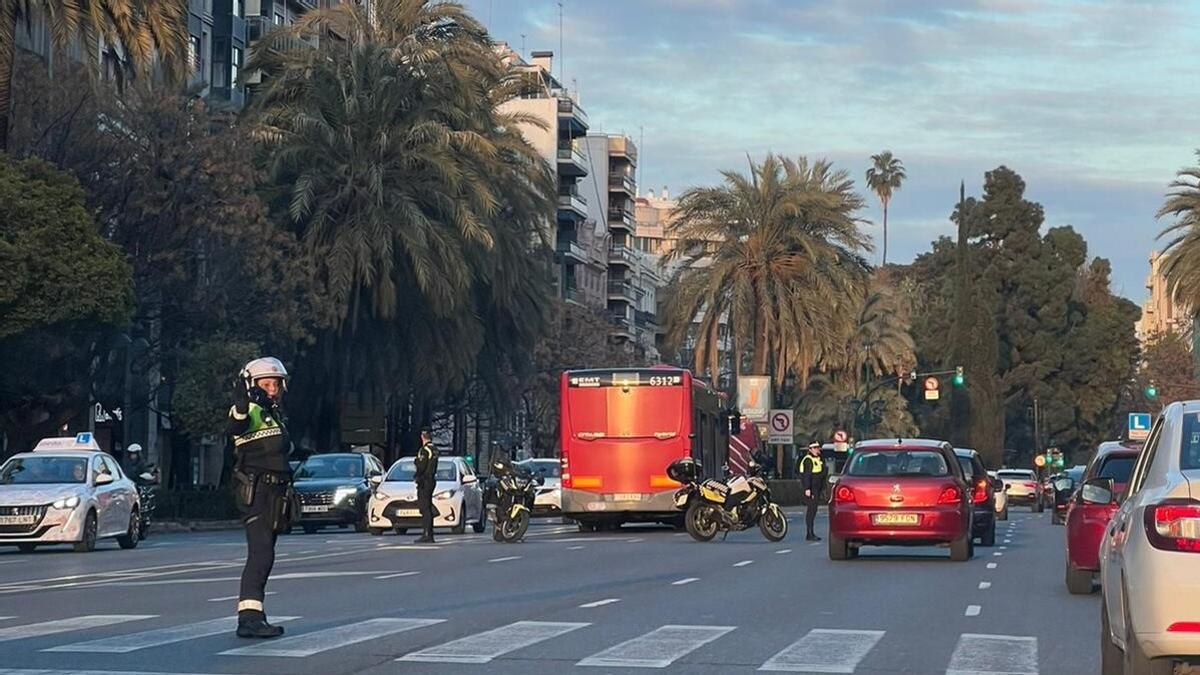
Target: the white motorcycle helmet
(134, 448)
(267, 366)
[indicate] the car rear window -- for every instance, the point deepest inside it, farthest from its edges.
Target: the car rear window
(1015, 475)
(888, 463)
(1117, 468)
(968, 467)
(1190, 457)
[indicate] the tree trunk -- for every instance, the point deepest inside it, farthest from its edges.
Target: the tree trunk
(885, 210)
(8, 53)
(759, 361)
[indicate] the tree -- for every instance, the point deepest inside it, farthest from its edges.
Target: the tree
(138, 36)
(1181, 265)
(884, 179)
(63, 292)
(786, 271)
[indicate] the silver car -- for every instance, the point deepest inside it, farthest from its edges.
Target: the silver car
(1150, 552)
(66, 492)
(548, 501)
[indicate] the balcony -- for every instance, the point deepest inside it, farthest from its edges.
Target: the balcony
(619, 182)
(571, 162)
(570, 112)
(622, 255)
(569, 249)
(572, 202)
(645, 319)
(258, 27)
(622, 148)
(573, 295)
(620, 323)
(621, 290)
(621, 218)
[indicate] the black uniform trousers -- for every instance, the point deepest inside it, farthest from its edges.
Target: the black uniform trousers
(425, 505)
(810, 516)
(259, 523)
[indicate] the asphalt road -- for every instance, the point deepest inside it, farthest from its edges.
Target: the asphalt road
(609, 602)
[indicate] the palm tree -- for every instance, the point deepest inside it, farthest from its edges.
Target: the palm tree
(139, 34)
(783, 272)
(1182, 252)
(884, 179)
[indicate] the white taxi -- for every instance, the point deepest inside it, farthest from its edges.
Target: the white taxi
(66, 492)
(457, 498)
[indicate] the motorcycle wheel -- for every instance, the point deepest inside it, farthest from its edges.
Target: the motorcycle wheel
(700, 521)
(514, 528)
(773, 524)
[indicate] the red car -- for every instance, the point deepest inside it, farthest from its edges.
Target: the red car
(1086, 521)
(904, 492)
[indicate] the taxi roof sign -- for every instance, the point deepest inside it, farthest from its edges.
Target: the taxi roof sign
(84, 441)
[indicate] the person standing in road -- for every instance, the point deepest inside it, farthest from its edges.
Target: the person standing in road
(426, 480)
(262, 477)
(812, 479)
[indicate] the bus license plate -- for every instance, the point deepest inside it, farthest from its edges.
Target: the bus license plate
(623, 497)
(313, 509)
(895, 518)
(17, 520)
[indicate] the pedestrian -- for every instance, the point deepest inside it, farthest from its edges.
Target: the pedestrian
(262, 478)
(426, 480)
(812, 479)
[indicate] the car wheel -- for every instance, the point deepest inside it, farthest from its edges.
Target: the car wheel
(377, 531)
(133, 534)
(480, 525)
(26, 548)
(1136, 661)
(1111, 659)
(838, 549)
(988, 538)
(361, 525)
(961, 549)
(310, 529)
(87, 541)
(1079, 582)
(461, 526)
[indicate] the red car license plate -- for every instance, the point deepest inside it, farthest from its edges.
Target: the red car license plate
(895, 519)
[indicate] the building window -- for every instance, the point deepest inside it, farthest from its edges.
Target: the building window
(194, 53)
(237, 8)
(235, 65)
(278, 19)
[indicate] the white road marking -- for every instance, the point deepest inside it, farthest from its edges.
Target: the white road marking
(973, 610)
(506, 558)
(274, 577)
(123, 644)
(10, 562)
(307, 644)
(599, 603)
(997, 554)
(635, 540)
(991, 566)
(574, 548)
(658, 648)
(232, 597)
(782, 551)
(743, 563)
(41, 671)
(984, 585)
(994, 654)
(488, 645)
(398, 574)
(684, 582)
(33, 630)
(1003, 548)
(825, 651)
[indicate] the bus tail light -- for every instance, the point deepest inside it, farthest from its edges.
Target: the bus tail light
(662, 481)
(585, 482)
(1174, 525)
(566, 471)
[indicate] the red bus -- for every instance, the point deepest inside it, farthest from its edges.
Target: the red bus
(620, 428)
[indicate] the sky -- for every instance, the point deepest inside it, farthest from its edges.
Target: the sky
(1094, 104)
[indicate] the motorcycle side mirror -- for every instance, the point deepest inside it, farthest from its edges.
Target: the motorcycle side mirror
(146, 475)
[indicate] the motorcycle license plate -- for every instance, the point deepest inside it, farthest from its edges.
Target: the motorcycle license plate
(314, 509)
(408, 513)
(627, 497)
(17, 520)
(895, 518)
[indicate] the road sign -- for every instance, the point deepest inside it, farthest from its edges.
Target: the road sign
(779, 429)
(932, 385)
(754, 397)
(1139, 426)
(840, 436)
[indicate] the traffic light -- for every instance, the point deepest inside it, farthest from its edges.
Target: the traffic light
(1151, 391)
(959, 378)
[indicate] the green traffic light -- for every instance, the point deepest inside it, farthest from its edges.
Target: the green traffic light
(959, 377)
(1151, 391)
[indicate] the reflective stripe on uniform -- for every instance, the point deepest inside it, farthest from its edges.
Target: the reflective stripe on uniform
(236, 415)
(250, 605)
(256, 435)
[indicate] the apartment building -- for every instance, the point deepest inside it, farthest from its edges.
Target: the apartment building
(1161, 312)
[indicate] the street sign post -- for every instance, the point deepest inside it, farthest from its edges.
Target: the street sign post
(932, 388)
(754, 397)
(779, 428)
(1139, 426)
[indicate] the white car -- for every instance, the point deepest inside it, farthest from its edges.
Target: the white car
(66, 492)
(1021, 485)
(1001, 501)
(548, 501)
(1150, 552)
(457, 497)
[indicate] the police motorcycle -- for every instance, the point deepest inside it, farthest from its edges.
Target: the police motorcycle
(512, 505)
(735, 504)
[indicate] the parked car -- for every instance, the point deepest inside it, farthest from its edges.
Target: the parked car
(334, 489)
(549, 494)
(1021, 486)
(1001, 497)
(983, 495)
(1086, 521)
(67, 492)
(1150, 552)
(457, 498)
(903, 492)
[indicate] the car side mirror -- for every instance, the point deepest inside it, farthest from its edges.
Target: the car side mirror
(104, 479)
(376, 478)
(373, 473)
(998, 484)
(468, 480)
(833, 480)
(1098, 491)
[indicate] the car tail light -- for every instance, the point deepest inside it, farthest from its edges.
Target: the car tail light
(1031, 486)
(844, 494)
(980, 495)
(950, 495)
(1174, 525)
(1184, 627)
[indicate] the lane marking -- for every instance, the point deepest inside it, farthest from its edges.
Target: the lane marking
(973, 610)
(978, 654)
(825, 651)
(574, 548)
(743, 563)
(991, 566)
(484, 647)
(599, 603)
(997, 554)
(307, 644)
(275, 577)
(684, 582)
(33, 630)
(397, 574)
(123, 644)
(1003, 548)
(505, 558)
(783, 551)
(232, 597)
(635, 540)
(657, 649)
(984, 585)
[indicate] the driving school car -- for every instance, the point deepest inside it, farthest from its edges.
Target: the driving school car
(66, 492)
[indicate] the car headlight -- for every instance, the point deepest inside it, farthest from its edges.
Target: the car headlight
(66, 502)
(344, 493)
(380, 494)
(444, 494)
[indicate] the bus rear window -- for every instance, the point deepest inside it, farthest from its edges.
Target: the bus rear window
(612, 412)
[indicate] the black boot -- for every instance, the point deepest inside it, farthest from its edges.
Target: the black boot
(252, 624)
(812, 537)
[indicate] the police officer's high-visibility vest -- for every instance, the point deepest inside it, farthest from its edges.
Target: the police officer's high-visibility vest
(817, 464)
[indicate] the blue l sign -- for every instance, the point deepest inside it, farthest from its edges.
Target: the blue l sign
(1139, 425)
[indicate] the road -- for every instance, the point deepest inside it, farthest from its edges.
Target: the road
(609, 602)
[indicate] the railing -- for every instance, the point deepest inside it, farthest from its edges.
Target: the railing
(620, 253)
(568, 106)
(644, 318)
(619, 216)
(623, 147)
(572, 154)
(621, 288)
(258, 27)
(622, 181)
(571, 293)
(618, 320)
(569, 246)
(572, 200)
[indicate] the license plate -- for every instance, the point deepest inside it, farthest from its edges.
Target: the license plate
(408, 513)
(17, 520)
(895, 518)
(313, 509)
(624, 497)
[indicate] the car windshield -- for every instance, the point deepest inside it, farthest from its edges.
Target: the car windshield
(44, 470)
(1117, 468)
(898, 463)
(334, 466)
(405, 469)
(543, 469)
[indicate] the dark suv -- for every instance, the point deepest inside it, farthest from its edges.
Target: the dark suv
(334, 489)
(983, 495)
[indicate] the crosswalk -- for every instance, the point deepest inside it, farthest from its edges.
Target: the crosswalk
(820, 650)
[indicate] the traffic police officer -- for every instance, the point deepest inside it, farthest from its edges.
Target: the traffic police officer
(426, 480)
(261, 476)
(812, 479)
